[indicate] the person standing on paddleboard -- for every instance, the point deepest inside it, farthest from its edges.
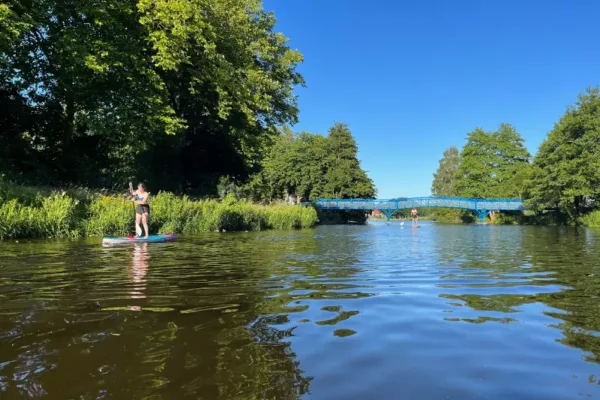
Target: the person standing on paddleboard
(415, 216)
(142, 209)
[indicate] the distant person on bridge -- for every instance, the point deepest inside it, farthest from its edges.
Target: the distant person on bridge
(415, 216)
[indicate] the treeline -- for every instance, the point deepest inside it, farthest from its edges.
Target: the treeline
(177, 93)
(305, 167)
(561, 183)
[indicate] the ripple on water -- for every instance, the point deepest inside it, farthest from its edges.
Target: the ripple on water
(341, 312)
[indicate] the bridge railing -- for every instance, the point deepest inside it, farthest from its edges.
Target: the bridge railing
(421, 202)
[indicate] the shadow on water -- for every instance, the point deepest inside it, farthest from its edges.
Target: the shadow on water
(340, 312)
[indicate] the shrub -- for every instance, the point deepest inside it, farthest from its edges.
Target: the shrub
(592, 219)
(27, 213)
(54, 216)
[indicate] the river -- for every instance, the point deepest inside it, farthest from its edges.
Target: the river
(337, 312)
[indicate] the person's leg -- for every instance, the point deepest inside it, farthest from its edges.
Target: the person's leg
(138, 228)
(145, 223)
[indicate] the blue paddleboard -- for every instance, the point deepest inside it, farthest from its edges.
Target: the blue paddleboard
(132, 239)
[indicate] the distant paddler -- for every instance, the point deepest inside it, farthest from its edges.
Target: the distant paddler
(415, 216)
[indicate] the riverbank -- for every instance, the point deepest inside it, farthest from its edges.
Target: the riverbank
(29, 212)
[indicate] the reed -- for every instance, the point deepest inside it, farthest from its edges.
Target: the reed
(591, 220)
(29, 213)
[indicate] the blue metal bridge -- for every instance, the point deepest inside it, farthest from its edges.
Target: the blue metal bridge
(481, 207)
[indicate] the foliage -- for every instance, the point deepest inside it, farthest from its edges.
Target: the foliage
(566, 173)
(313, 166)
(591, 219)
(52, 216)
(493, 164)
(57, 214)
(175, 92)
(345, 177)
(444, 179)
(444, 184)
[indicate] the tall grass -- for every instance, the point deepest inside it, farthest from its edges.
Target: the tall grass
(27, 213)
(52, 216)
(592, 219)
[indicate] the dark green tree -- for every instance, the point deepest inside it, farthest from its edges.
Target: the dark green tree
(444, 179)
(345, 177)
(493, 164)
(312, 166)
(177, 92)
(444, 184)
(567, 167)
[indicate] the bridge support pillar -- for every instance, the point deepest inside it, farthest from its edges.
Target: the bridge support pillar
(481, 215)
(388, 214)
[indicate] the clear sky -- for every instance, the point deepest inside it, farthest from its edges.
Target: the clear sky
(412, 78)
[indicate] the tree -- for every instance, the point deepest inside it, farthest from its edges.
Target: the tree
(312, 166)
(444, 184)
(567, 167)
(92, 99)
(493, 164)
(179, 92)
(229, 75)
(444, 180)
(345, 177)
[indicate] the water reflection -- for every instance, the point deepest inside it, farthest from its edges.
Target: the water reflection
(137, 271)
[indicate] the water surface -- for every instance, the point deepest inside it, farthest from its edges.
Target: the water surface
(338, 312)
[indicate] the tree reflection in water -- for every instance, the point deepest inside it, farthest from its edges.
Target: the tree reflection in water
(557, 267)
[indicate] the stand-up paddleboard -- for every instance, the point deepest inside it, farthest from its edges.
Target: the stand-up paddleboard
(132, 239)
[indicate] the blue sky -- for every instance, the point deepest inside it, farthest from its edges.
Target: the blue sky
(413, 78)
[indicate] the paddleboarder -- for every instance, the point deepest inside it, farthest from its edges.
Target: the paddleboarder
(415, 217)
(142, 209)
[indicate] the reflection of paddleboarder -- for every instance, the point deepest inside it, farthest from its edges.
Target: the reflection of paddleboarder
(138, 271)
(415, 216)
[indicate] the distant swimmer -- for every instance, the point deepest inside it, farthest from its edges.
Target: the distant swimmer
(415, 216)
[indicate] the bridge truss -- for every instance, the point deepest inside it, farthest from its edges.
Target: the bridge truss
(481, 207)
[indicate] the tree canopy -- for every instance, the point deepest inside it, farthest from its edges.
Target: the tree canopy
(566, 172)
(493, 164)
(178, 92)
(312, 166)
(444, 179)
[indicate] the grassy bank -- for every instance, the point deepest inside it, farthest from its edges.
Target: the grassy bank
(27, 212)
(592, 219)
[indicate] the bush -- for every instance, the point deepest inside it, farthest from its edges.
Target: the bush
(27, 213)
(109, 216)
(52, 216)
(592, 219)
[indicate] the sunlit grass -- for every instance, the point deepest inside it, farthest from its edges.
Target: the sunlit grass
(27, 213)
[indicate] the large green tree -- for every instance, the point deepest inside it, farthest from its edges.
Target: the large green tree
(345, 177)
(567, 167)
(229, 75)
(177, 91)
(493, 164)
(312, 166)
(88, 98)
(444, 179)
(444, 184)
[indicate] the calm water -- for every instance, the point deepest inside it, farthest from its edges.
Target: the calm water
(340, 312)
